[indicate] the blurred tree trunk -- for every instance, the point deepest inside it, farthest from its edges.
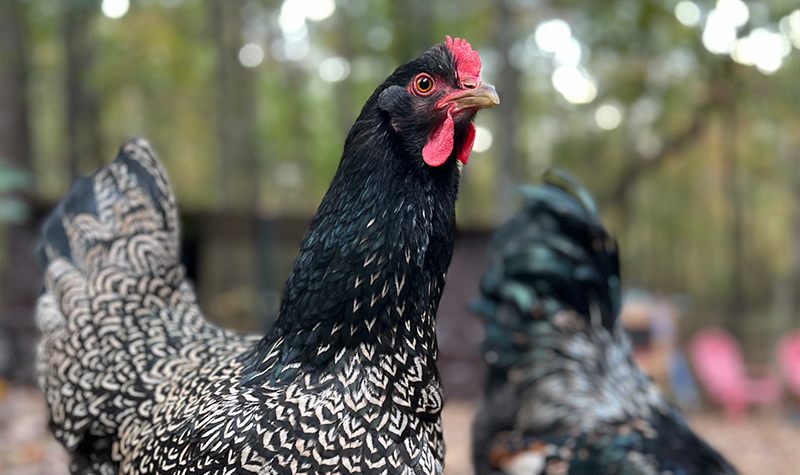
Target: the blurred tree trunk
(786, 294)
(794, 275)
(736, 195)
(344, 90)
(508, 82)
(228, 277)
(295, 82)
(786, 291)
(18, 271)
(15, 137)
(84, 136)
(413, 28)
(236, 107)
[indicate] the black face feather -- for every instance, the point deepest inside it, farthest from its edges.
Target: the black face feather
(408, 119)
(415, 117)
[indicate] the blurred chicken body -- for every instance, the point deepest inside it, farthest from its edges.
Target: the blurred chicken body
(563, 394)
(137, 382)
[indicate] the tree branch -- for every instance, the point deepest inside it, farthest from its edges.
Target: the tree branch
(640, 166)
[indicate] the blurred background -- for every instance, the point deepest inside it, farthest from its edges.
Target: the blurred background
(682, 117)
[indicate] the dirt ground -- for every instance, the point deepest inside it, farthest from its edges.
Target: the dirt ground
(766, 442)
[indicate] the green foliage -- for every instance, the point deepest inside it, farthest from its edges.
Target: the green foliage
(13, 209)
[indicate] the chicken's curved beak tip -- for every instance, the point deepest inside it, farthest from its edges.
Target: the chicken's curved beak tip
(480, 97)
(490, 94)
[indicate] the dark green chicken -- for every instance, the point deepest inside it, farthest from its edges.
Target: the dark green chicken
(563, 394)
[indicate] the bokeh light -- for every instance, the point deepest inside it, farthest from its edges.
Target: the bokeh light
(688, 13)
(483, 139)
(318, 10)
(790, 26)
(115, 8)
(569, 53)
(294, 13)
(251, 55)
(574, 85)
(763, 49)
(296, 49)
(552, 34)
(734, 12)
(379, 38)
(334, 69)
(608, 116)
(719, 33)
(648, 144)
(288, 175)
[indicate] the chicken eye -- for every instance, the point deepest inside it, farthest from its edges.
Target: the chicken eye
(423, 83)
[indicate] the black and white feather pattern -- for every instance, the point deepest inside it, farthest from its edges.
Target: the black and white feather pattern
(137, 382)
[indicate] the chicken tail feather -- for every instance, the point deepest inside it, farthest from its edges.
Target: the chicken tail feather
(95, 223)
(554, 255)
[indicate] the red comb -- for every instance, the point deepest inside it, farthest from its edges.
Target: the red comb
(469, 63)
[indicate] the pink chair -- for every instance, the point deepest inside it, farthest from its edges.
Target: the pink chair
(719, 366)
(789, 361)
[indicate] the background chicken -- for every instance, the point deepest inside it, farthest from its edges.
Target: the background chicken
(136, 380)
(563, 394)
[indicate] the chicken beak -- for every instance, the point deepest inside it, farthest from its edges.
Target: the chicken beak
(479, 97)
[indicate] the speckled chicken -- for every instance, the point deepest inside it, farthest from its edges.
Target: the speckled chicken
(137, 382)
(563, 394)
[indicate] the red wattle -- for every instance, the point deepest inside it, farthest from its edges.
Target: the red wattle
(463, 154)
(440, 145)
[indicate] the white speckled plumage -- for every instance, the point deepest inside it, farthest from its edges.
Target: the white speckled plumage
(127, 357)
